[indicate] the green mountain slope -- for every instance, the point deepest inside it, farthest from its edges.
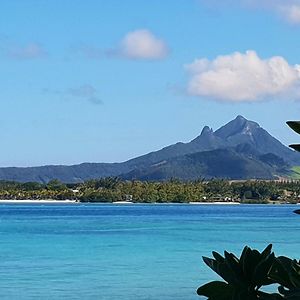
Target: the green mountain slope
(220, 163)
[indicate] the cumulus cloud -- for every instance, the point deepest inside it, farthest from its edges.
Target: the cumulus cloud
(29, 51)
(142, 44)
(243, 77)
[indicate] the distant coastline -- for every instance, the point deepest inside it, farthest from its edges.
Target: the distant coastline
(37, 201)
(117, 191)
(216, 202)
(53, 201)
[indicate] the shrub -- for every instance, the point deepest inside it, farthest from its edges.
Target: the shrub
(245, 276)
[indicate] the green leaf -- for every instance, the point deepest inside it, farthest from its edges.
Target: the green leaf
(293, 294)
(220, 268)
(281, 271)
(260, 276)
(219, 258)
(267, 251)
(244, 262)
(251, 259)
(233, 264)
(267, 296)
(216, 290)
(295, 125)
(213, 264)
(295, 147)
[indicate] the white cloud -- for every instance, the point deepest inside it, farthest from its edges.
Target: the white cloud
(140, 44)
(143, 44)
(243, 77)
(29, 51)
(290, 12)
(287, 9)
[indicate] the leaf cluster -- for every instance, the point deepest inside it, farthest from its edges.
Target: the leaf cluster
(245, 276)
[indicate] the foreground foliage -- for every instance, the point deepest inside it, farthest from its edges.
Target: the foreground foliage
(245, 277)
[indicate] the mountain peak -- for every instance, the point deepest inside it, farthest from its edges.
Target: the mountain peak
(239, 117)
(239, 125)
(240, 121)
(206, 130)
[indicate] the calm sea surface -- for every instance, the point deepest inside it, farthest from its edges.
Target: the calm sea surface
(129, 252)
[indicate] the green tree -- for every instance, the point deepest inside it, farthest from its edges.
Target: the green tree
(56, 185)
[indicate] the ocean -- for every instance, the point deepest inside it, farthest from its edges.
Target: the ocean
(129, 252)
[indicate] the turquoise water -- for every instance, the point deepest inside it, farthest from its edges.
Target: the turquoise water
(128, 252)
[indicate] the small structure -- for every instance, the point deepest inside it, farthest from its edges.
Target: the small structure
(128, 198)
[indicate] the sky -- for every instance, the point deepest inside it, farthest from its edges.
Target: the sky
(106, 81)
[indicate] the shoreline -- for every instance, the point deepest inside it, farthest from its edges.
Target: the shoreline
(51, 201)
(37, 201)
(216, 202)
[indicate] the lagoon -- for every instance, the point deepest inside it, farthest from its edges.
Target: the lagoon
(144, 252)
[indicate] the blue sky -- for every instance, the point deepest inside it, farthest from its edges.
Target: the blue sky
(105, 81)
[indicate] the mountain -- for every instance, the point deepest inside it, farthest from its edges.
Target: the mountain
(241, 130)
(74, 173)
(227, 163)
(237, 131)
(238, 150)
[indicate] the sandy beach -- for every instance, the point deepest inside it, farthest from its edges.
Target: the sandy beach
(36, 201)
(209, 203)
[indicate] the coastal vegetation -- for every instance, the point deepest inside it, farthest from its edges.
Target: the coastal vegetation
(113, 189)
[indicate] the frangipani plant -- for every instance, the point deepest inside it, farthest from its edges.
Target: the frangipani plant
(245, 276)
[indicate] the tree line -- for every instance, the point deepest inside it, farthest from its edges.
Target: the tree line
(113, 189)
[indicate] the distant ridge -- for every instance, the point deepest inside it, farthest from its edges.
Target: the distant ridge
(241, 149)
